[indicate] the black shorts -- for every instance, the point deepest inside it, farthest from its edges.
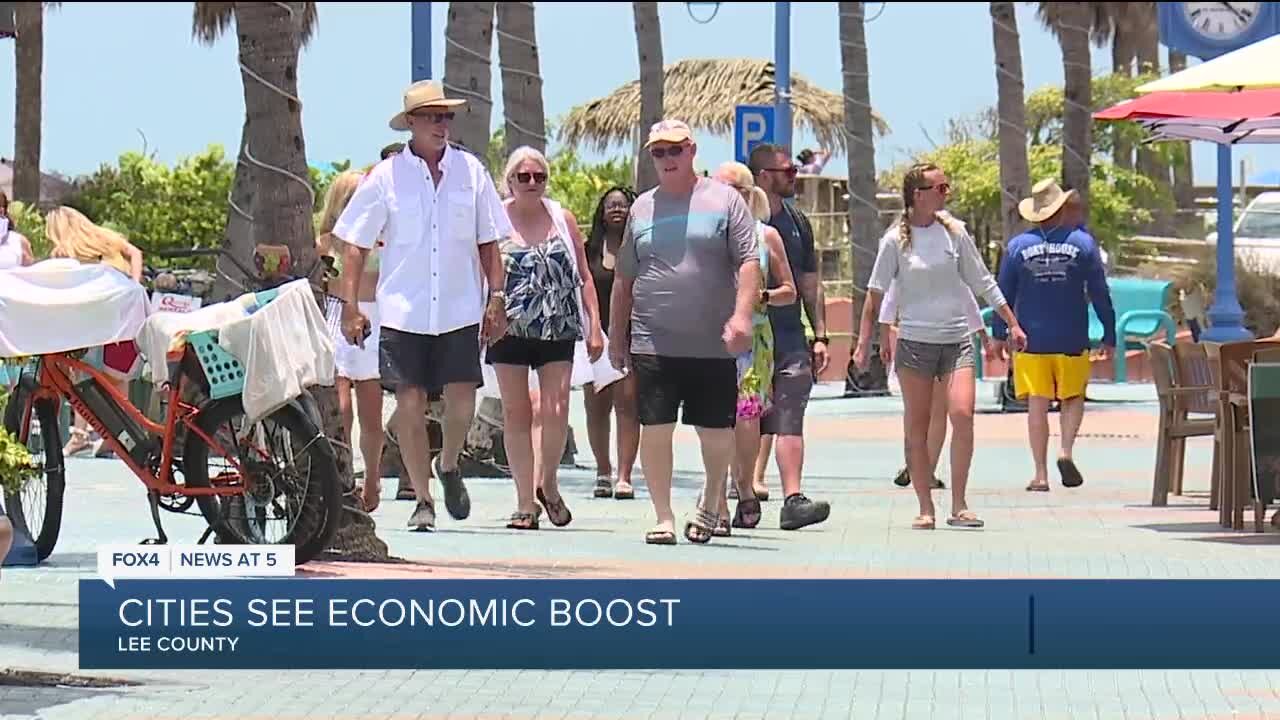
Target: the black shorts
(529, 352)
(707, 388)
(429, 362)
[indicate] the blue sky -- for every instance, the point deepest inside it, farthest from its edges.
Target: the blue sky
(115, 72)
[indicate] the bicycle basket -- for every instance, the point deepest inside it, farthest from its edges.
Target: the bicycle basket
(223, 371)
(331, 306)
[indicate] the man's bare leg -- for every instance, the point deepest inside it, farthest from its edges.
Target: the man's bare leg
(1038, 436)
(656, 464)
(415, 454)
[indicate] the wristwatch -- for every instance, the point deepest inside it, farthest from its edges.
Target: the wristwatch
(764, 296)
(498, 295)
(821, 339)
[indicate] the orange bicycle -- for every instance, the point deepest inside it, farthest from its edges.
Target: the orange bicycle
(272, 482)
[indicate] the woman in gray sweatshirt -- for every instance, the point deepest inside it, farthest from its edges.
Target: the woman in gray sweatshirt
(936, 268)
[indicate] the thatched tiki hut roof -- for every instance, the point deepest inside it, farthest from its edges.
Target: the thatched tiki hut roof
(704, 93)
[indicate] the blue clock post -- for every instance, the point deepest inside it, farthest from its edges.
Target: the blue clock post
(1207, 30)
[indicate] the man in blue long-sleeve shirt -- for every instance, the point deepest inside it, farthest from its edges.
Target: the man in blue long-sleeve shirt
(1050, 274)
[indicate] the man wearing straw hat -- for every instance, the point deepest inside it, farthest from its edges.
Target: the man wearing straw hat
(1050, 274)
(440, 286)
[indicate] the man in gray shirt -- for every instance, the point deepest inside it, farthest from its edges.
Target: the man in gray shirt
(687, 279)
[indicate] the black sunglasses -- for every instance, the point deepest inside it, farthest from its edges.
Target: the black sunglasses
(673, 151)
(537, 177)
(788, 171)
(435, 117)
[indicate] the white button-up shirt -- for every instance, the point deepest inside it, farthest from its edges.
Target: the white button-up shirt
(430, 280)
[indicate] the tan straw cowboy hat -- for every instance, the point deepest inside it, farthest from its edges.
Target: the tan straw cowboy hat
(422, 94)
(1047, 198)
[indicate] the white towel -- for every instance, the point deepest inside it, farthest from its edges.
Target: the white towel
(61, 305)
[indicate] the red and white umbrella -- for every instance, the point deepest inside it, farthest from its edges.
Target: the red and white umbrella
(1246, 116)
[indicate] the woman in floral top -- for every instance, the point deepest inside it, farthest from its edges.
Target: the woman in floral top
(551, 305)
(755, 367)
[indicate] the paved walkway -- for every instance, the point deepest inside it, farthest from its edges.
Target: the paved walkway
(1105, 529)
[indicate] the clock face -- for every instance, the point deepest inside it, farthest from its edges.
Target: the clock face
(1221, 20)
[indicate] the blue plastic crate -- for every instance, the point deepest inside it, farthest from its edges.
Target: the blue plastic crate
(223, 371)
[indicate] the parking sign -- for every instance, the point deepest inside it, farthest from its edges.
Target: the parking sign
(752, 125)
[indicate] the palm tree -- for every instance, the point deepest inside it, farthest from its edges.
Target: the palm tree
(1071, 23)
(1183, 186)
(521, 79)
(28, 55)
(864, 216)
(270, 37)
(652, 80)
(468, 70)
(1011, 111)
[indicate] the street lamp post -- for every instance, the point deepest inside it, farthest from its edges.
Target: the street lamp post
(782, 72)
(420, 33)
(1226, 317)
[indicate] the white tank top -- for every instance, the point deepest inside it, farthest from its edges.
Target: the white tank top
(10, 250)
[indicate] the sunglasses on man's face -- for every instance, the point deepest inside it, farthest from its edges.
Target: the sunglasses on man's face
(434, 117)
(672, 151)
(943, 188)
(535, 177)
(788, 171)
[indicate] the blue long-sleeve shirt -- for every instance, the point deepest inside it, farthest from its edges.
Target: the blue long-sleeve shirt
(1049, 277)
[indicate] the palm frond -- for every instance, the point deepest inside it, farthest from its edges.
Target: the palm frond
(211, 19)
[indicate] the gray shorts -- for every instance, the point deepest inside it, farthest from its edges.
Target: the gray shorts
(937, 360)
(792, 383)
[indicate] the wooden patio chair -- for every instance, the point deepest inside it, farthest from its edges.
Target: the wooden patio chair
(1175, 427)
(1197, 408)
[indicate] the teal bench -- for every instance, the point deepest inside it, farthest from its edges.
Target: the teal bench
(1140, 313)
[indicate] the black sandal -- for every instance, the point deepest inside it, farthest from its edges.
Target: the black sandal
(523, 521)
(557, 511)
(701, 529)
(747, 514)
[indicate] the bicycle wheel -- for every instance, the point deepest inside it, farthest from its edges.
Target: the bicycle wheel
(36, 510)
(291, 495)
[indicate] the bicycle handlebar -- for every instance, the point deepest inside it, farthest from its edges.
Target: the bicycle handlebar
(244, 270)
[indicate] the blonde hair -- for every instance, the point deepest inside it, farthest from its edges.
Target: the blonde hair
(518, 156)
(911, 182)
(74, 236)
(335, 201)
(742, 179)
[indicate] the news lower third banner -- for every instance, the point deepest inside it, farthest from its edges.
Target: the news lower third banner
(279, 623)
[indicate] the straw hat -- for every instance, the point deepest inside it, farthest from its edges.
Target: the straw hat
(1047, 198)
(422, 94)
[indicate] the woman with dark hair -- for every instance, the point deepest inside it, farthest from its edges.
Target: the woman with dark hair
(618, 397)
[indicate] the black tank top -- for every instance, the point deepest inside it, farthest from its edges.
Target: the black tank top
(603, 279)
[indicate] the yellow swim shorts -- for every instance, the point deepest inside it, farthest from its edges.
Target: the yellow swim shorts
(1054, 376)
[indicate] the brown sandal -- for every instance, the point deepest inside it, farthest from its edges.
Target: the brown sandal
(523, 521)
(702, 528)
(747, 514)
(557, 511)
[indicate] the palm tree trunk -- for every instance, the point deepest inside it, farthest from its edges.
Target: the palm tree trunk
(1184, 189)
(237, 238)
(468, 71)
(1122, 56)
(1148, 52)
(270, 37)
(864, 216)
(1011, 110)
(521, 78)
(652, 83)
(1077, 146)
(28, 51)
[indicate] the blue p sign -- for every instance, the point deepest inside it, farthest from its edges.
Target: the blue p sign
(752, 125)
